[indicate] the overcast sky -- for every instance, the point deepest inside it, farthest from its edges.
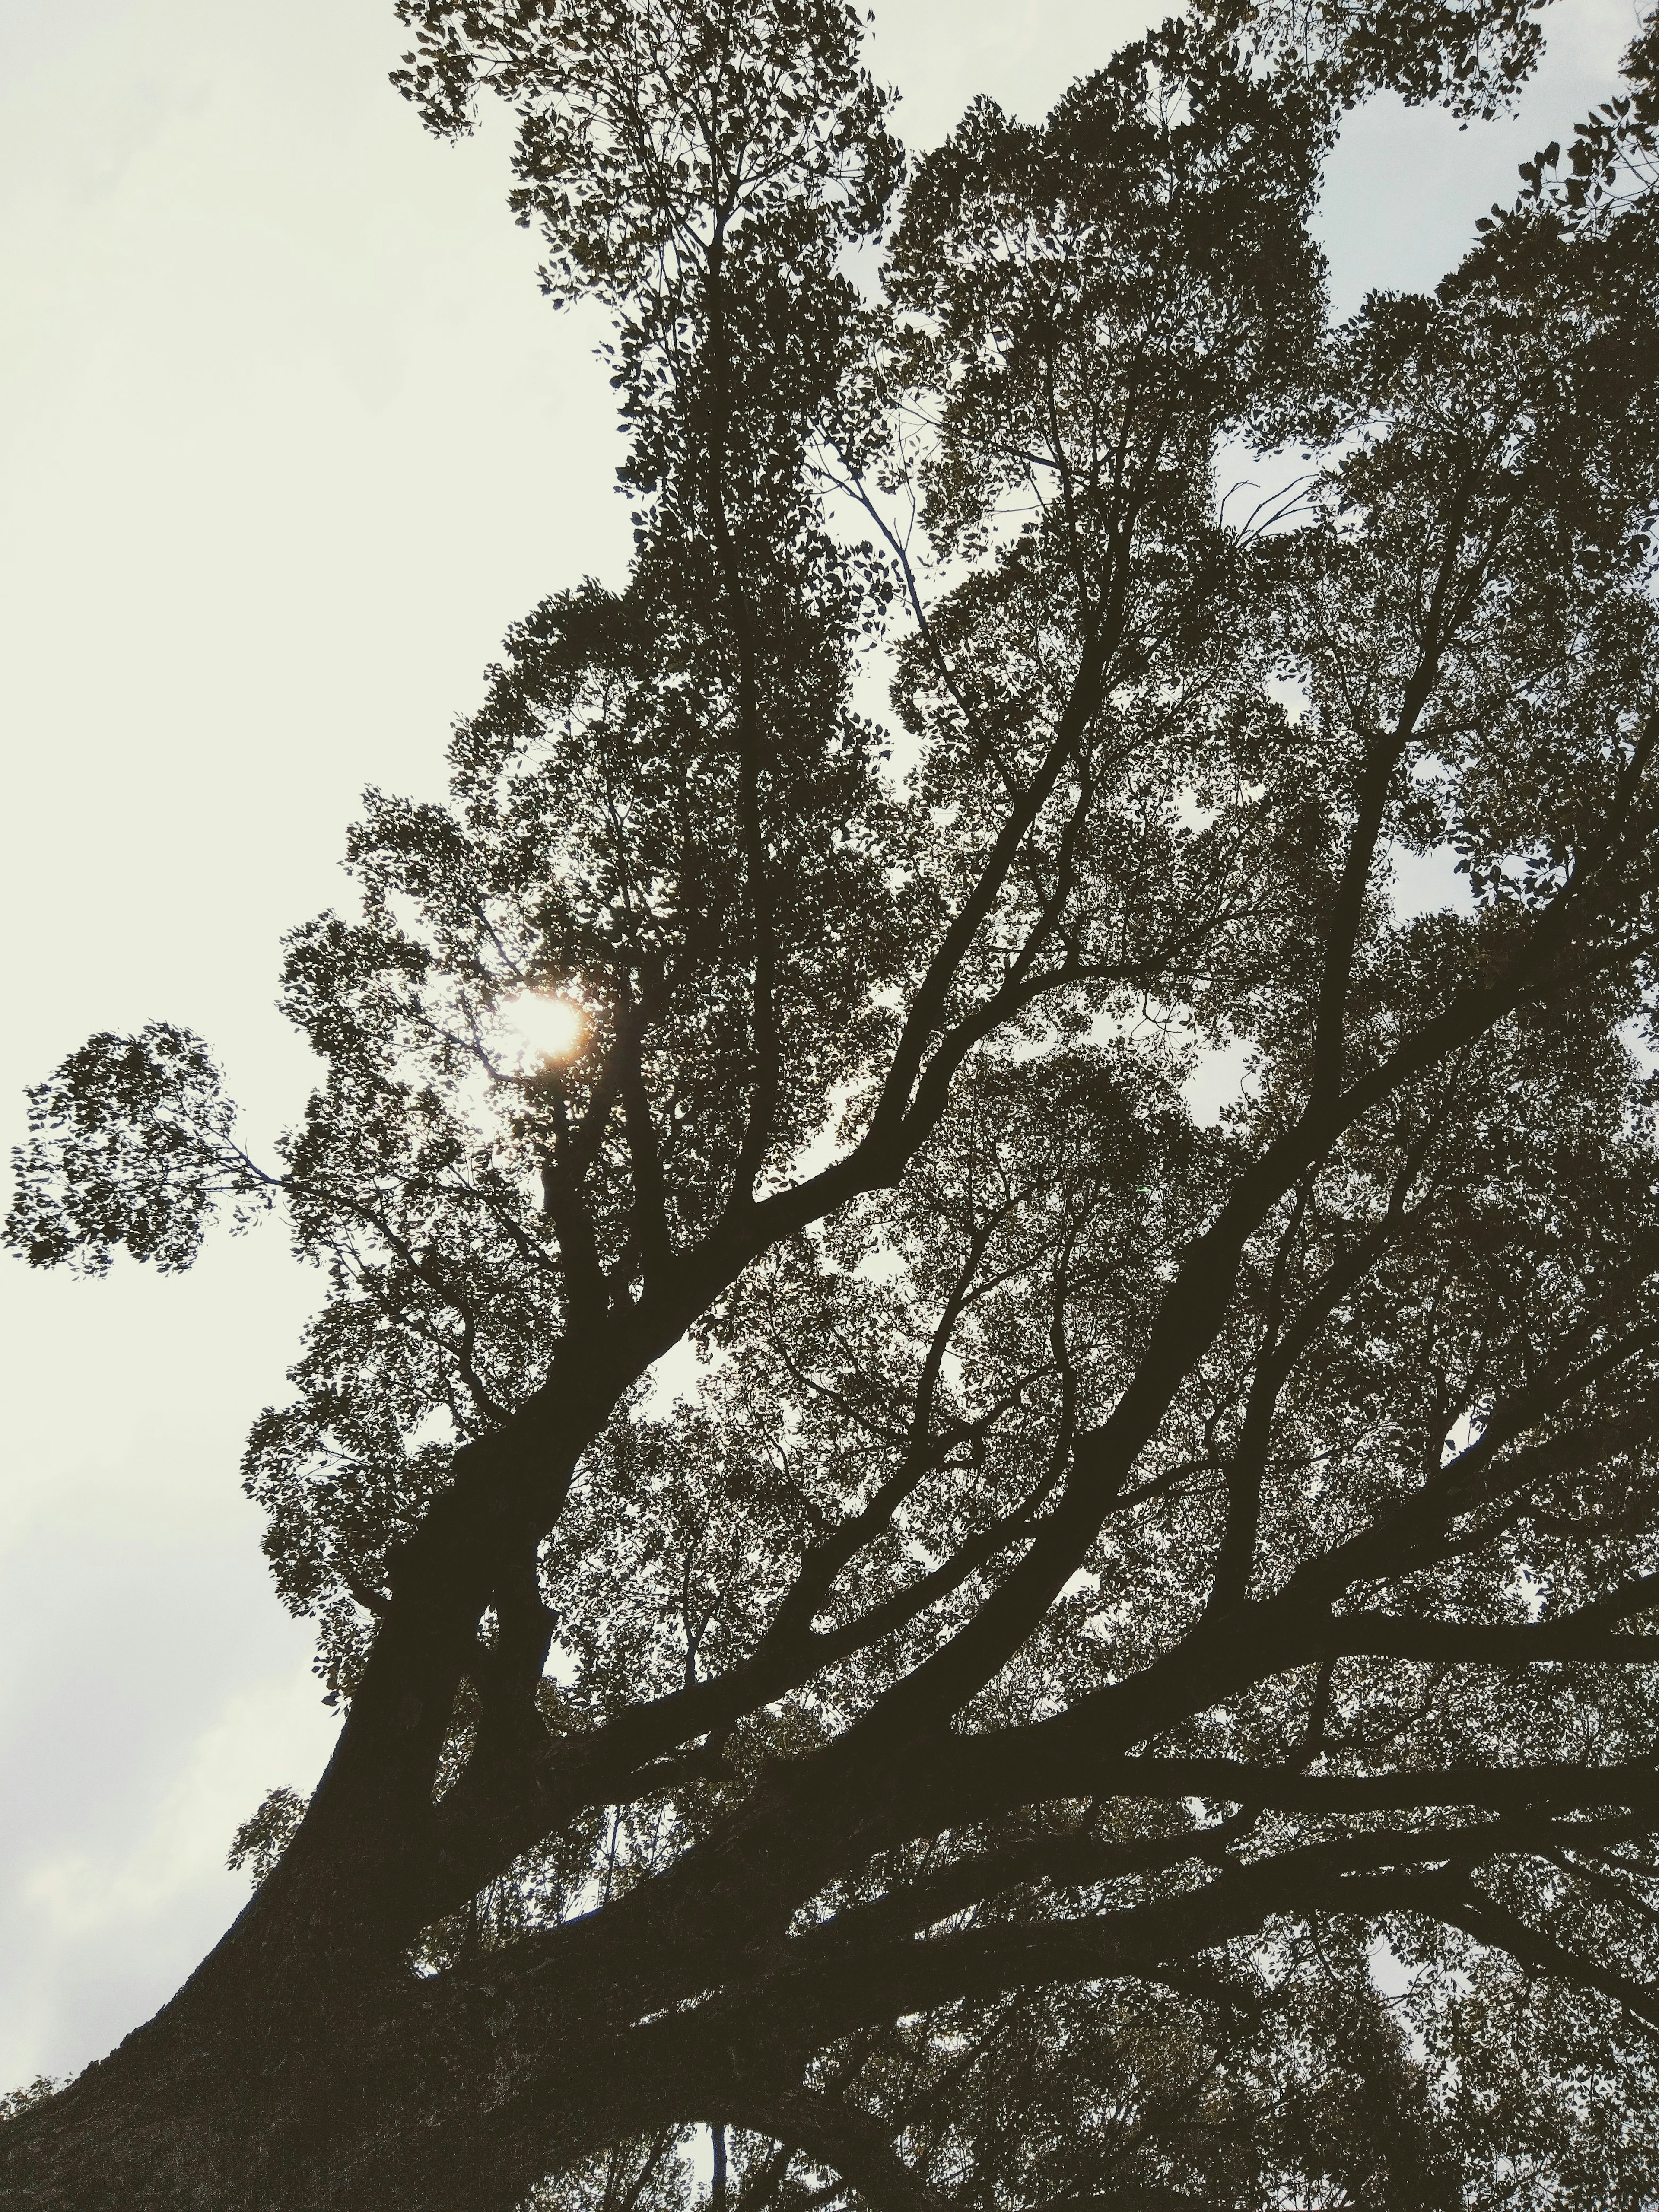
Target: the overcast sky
(287, 439)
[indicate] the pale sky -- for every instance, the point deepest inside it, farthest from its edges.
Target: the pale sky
(287, 438)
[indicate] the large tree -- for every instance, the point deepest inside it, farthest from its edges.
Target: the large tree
(1114, 1593)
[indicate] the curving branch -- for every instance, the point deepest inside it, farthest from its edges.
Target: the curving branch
(834, 2134)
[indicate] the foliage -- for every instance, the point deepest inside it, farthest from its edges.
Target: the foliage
(265, 1834)
(131, 1147)
(15, 2102)
(1612, 155)
(1472, 56)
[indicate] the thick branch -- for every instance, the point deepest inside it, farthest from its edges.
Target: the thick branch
(834, 2134)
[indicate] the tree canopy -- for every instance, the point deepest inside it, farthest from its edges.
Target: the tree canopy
(1115, 1665)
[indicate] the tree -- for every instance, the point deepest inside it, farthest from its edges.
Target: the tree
(1105, 1573)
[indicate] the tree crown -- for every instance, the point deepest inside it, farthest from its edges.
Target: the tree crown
(1113, 1565)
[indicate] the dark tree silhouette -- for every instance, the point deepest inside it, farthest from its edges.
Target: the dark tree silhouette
(1106, 1571)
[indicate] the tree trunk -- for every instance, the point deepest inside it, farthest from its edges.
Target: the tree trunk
(227, 2101)
(272, 2083)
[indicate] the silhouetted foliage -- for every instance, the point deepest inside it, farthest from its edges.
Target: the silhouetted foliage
(1114, 1669)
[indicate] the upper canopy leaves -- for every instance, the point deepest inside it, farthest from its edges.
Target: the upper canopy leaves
(1471, 55)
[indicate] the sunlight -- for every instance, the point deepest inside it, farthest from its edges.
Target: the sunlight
(547, 1028)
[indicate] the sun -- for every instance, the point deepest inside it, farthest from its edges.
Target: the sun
(548, 1027)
